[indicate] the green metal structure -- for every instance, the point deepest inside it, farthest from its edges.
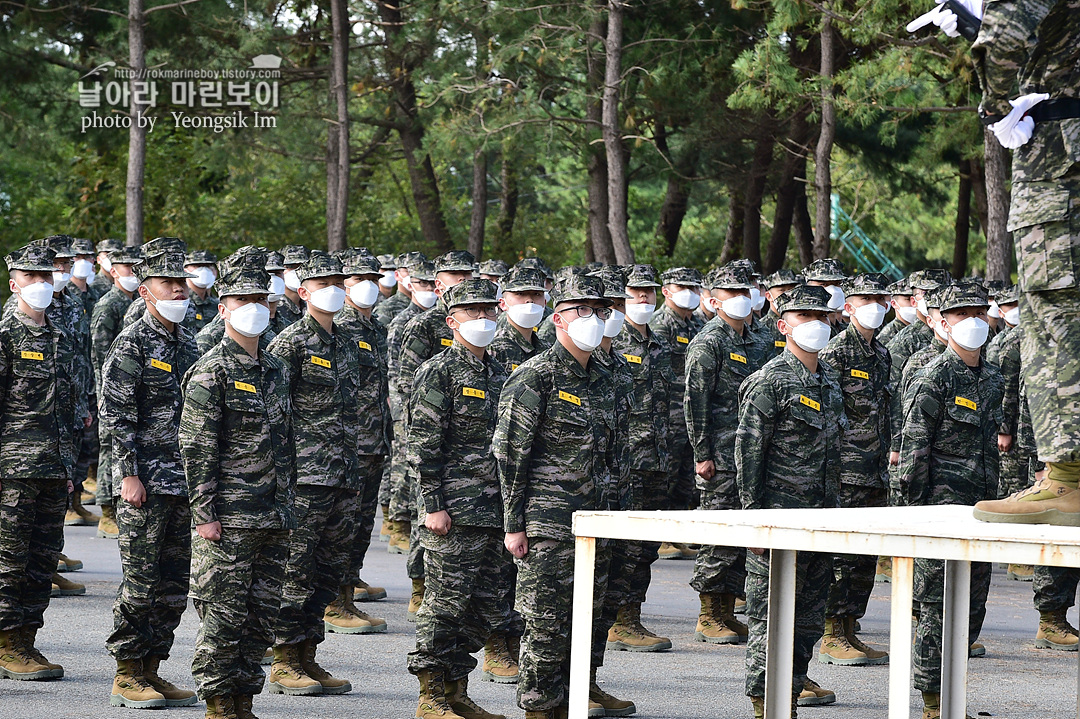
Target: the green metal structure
(867, 254)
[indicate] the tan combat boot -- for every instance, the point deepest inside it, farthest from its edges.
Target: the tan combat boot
(740, 605)
(330, 683)
(67, 564)
(931, 705)
(63, 587)
(668, 551)
(711, 628)
(78, 515)
(727, 616)
(835, 647)
(612, 706)
(415, 599)
(759, 707)
(628, 634)
(1055, 632)
(387, 526)
(399, 538)
(432, 703)
(89, 485)
(174, 695)
(686, 551)
(268, 657)
(1020, 573)
(976, 650)
(342, 616)
(812, 695)
(221, 708)
(131, 689)
(883, 572)
(244, 703)
(874, 656)
(17, 660)
(288, 677)
(500, 666)
(1048, 501)
(457, 696)
(106, 528)
(542, 714)
(29, 639)
(364, 592)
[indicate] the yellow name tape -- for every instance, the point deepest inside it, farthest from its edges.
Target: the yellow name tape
(737, 358)
(363, 345)
(816, 406)
(632, 359)
(860, 374)
(682, 340)
(244, 387)
(33, 355)
(158, 364)
(513, 366)
(445, 342)
(780, 343)
(572, 399)
(470, 392)
(198, 316)
(320, 361)
(963, 402)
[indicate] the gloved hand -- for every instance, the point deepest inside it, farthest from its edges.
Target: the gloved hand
(1015, 129)
(945, 18)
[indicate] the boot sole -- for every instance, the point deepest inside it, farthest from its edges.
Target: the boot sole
(1047, 644)
(883, 579)
(700, 637)
(599, 712)
(816, 701)
(384, 538)
(972, 653)
(190, 701)
(391, 549)
(621, 647)
(489, 677)
(859, 662)
(106, 535)
(118, 701)
(628, 711)
(376, 629)
(79, 523)
(369, 597)
(266, 661)
(343, 689)
(63, 568)
(671, 556)
(1048, 516)
(39, 676)
(410, 617)
(1017, 578)
(276, 688)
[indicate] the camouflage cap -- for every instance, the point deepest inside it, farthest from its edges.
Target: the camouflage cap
(683, 276)
(126, 256)
(749, 266)
(294, 254)
(422, 269)
(782, 277)
(275, 261)
(825, 270)
(387, 262)
(995, 286)
(867, 283)
(109, 244)
(81, 246)
(579, 287)
(614, 282)
(163, 264)
(319, 264)
(807, 298)
(201, 257)
(470, 292)
(964, 294)
(163, 244)
(34, 257)
(246, 256)
(933, 297)
(243, 279)
(929, 279)
(61, 245)
(536, 263)
(732, 276)
(901, 288)
(405, 259)
(642, 276)
(455, 261)
(1008, 296)
(591, 267)
(361, 263)
(495, 268)
(523, 279)
(567, 271)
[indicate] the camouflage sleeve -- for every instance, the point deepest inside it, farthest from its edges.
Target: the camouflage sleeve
(119, 396)
(430, 412)
(896, 403)
(922, 415)
(5, 372)
(520, 411)
(758, 412)
(701, 373)
(1002, 49)
(415, 350)
(200, 427)
(1009, 362)
(289, 355)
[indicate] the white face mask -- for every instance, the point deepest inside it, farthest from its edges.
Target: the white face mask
(364, 293)
(172, 310)
(478, 333)
(640, 314)
(129, 283)
(836, 298)
(60, 280)
(250, 320)
(547, 297)
(907, 314)
(424, 298)
(82, 269)
(870, 316)
(328, 299)
(277, 288)
(970, 333)
(106, 263)
(923, 309)
(686, 299)
(389, 279)
(738, 307)
(994, 310)
(498, 292)
(528, 314)
(1013, 316)
(756, 298)
(811, 336)
(586, 332)
(940, 331)
(613, 325)
(406, 283)
(204, 278)
(39, 295)
(291, 280)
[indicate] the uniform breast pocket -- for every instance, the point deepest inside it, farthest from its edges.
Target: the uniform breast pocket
(568, 424)
(805, 415)
(958, 434)
(471, 412)
(245, 410)
(32, 366)
(318, 388)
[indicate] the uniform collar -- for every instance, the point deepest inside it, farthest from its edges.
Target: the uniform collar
(801, 371)
(313, 324)
(564, 357)
(239, 354)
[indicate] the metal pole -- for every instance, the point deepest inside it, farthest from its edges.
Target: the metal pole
(955, 642)
(780, 646)
(903, 579)
(581, 632)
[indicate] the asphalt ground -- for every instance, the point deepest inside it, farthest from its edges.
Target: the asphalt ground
(693, 680)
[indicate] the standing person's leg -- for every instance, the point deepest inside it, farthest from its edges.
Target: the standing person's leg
(544, 597)
(372, 472)
(719, 573)
(170, 599)
(268, 551)
(1055, 595)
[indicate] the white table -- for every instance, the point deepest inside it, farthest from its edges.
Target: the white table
(940, 532)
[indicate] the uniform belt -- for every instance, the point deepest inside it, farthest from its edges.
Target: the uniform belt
(1063, 108)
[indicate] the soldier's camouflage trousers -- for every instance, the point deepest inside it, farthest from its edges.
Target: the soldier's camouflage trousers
(720, 570)
(31, 539)
(1016, 471)
(371, 473)
(545, 591)
(319, 552)
(1055, 588)
(929, 593)
(682, 486)
(654, 496)
(104, 475)
(401, 509)
(236, 588)
(155, 552)
(813, 573)
(414, 562)
(462, 599)
(510, 623)
(853, 574)
(87, 446)
(625, 556)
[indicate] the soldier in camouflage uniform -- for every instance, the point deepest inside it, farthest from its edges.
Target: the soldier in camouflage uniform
(775, 285)
(291, 307)
(211, 334)
(787, 454)
(556, 452)
(136, 309)
(140, 410)
(452, 418)
(203, 265)
(902, 301)
(388, 277)
(237, 446)
(949, 455)
(386, 310)
(863, 365)
(830, 274)
(103, 279)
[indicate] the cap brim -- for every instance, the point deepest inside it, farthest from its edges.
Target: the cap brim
(644, 284)
(319, 275)
(962, 305)
(171, 275)
(524, 288)
(732, 286)
(469, 303)
(456, 268)
(581, 298)
(807, 308)
(248, 290)
(22, 266)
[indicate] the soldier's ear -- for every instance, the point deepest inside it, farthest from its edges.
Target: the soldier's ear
(783, 327)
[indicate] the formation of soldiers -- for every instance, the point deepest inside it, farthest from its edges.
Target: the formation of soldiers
(250, 417)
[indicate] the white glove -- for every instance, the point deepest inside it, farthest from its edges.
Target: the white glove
(1015, 129)
(945, 18)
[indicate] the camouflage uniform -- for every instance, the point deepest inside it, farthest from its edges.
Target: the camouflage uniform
(203, 310)
(386, 310)
(140, 409)
(787, 454)
(948, 455)
(900, 288)
(830, 272)
(236, 443)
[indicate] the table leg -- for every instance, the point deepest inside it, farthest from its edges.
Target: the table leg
(780, 646)
(955, 640)
(903, 579)
(581, 633)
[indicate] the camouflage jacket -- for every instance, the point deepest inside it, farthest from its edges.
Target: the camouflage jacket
(236, 439)
(717, 362)
(201, 312)
(213, 332)
(102, 282)
(373, 433)
(394, 333)
(83, 302)
(105, 325)
(630, 495)
(649, 360)
(555, 444)
(38, 399)
(864, 372)
(886, 333)
(324, 371)
(546, 330)
(677, 333)
(453, 412)
(386, 310)
(907, 342)
(511, 349)
(948, 451)
(767, 330)
(289, 311)
(1004, 352)
(787, 447)
(140, 403)
(915, 365)
(425, 336)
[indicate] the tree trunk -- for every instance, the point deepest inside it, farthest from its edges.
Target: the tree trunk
(804, 232)
(978, 190)
(734, 236)
(759, 172)
(613, 144)
(337, 141)
(999, 248)
(136, 169)
(677, 197)
(792, 177)
(823, 154)
(508, 202)
(596, 161)
(479, 203)
(963, 221)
